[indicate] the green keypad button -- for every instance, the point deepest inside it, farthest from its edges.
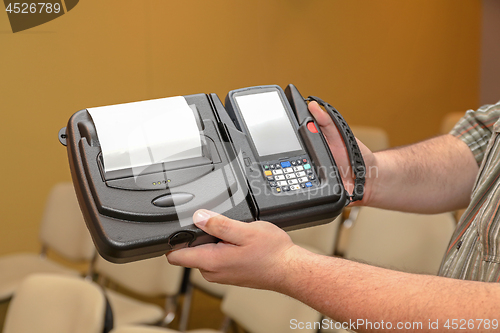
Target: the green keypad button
(307, 166)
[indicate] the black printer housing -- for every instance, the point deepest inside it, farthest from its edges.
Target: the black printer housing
(131, 219)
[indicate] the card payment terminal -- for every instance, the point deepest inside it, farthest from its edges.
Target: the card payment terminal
(140, 170)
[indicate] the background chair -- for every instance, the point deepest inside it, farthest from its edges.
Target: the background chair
(402, 241)
(319, 239)
(256, 311)
(149, 278)
(145, 329)
(261, 311)
(57, 304)
(62, 230)
(373, 137)
(449, 121)
(196, 280)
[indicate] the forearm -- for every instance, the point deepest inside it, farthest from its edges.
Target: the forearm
(346, 290)
(432, 176)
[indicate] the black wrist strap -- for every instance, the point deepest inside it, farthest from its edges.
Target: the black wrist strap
(357, 162)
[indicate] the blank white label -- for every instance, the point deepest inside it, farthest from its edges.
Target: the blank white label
(135, 135)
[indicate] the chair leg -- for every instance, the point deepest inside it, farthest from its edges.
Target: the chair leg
(226, 323)
(43, 251)
(342, 231)
(170, 308)
(102, 280)
(349, 222)
(89, 276)
(186, 307)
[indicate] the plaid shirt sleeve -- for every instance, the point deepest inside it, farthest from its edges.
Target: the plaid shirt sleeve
(476, 127)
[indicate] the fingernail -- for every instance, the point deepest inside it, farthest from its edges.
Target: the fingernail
(201, 217)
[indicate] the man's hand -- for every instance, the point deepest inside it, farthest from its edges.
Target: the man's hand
(250, 254)
(433, 176)
(260, 255)
(339, 152)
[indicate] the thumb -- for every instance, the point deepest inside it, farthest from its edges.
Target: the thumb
(230, 231)
(325, 122)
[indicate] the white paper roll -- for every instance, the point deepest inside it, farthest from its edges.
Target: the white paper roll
(136, 135)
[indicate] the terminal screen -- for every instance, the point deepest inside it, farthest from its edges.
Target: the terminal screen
(269, 126)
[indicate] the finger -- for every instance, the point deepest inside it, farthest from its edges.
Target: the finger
(326, 123)
(321, 116)
(192, 257)
(231, 231)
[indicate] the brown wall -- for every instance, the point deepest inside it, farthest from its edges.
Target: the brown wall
(399, 65)
(490, 52)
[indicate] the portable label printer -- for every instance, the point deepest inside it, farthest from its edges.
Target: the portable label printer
(141, 170)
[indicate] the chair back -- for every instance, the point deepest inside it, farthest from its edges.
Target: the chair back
(322, 237)
(449, 121)
(407, 242)
(373, 137)
(151, 277)
(63, 228)
(263, 311)
(47, 303)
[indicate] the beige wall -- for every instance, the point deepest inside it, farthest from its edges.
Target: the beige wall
(399, 65)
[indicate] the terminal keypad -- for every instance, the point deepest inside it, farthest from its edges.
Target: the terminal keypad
(290, 175)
